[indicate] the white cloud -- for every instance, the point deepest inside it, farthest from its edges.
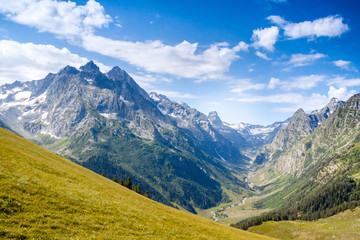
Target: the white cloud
(340, 93)
(28, 61)
(180, 60)
(331, 26)
(294, 101)
(273, 82)
(303, 82)
(175, 94)
(242, 85)
(342, 64)
(299, 60)
(145, 80)
(277, 20)
(262, 55)
(343, 82)
(277, 98)
(65, 19)
(265, 38)
(77, 24)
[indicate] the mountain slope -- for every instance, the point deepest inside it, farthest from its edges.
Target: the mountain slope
(341, 226)
(315, 163)
(43, 195)
(200, 126)
(298, 127)
(107, 123)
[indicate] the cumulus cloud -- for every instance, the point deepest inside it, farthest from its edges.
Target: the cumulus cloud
(28, 61)
(265, 38)
(77, 24)
(65, 19)
(273, 83)
(180, 60)
(342, 64)
(331, 26)
(340, 93)
(299, 60)
(262, 55)
(277, 20)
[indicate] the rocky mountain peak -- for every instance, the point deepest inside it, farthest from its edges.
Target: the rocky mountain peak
(116, 74)
(68, 70)
(90, 67)
(157, 97)
(354, 102)
(214, 118)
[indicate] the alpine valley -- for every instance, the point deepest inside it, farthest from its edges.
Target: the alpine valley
(304, 168)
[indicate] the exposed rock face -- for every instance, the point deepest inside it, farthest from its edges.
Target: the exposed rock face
(309, 137)
(301, 125)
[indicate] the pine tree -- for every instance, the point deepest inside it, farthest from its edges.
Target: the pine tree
(121, 182)
(103, 174)
(128, 183)
(138, 190)
(114, 179)
(147, 194)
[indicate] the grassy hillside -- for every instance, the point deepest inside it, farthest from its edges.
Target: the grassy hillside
(344, 225)
(45, 196)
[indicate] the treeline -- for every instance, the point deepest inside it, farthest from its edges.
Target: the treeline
(129, 185)
(328, 199)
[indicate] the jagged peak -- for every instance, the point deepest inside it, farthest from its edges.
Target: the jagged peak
(300, 111)
(115, 69)
(157, 97)
(69, 70)
(214, 118)
(90, 67)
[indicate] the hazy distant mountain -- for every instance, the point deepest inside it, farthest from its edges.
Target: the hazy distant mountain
(245, 135)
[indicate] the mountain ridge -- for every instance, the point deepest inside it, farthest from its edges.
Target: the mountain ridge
(106, 122)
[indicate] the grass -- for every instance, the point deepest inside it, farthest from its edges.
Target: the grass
(44, 196)
(344, 225)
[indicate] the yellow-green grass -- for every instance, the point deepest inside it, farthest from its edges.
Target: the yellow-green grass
(345, 225)
(44, 196)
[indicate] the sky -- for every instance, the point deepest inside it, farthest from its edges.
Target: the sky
(252, 61)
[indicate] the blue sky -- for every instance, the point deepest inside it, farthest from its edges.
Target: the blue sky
(252, 61)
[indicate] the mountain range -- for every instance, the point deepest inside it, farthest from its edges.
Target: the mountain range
(186, 159)
(107, 123)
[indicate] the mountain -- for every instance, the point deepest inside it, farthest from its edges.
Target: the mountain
(45, 196)
(317, 175)
(318, 162)
(201, 128)
(246, 136)
(107, 123)
(299, 126)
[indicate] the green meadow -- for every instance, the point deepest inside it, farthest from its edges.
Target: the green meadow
(45, 196)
